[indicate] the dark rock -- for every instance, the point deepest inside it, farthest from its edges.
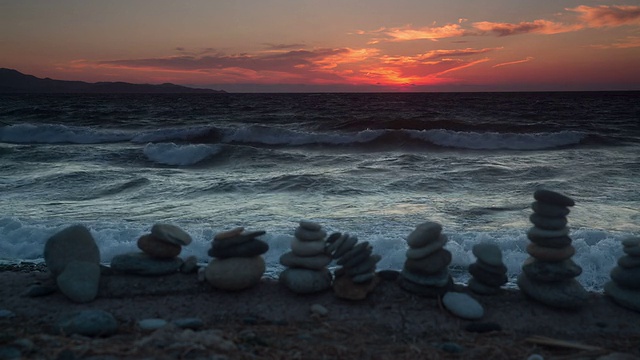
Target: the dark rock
(318, 262)
(629, 262)
(143, 264)
(499, 270)
(436, 280)
(79, 281)
(40, 290)
(550, 254)
(551, 271)
(361, 250)
(190, 265)
(553, 197)
(482, 289)
(556, 243)
(237, 240)
(310, 235)
(488, 253)
(549, 223)
(158, 248)
(253, 247)
(627, 298)
(626, 278)
(345, 246)
(486, 277)
(538, 233)
(451, 347)
(549, 210)
(171, 233)
(424, 234)
(234, 274)
(419, 253)
(426, 291)
(431, 264)
(568, 294)
(388, 275)
(88, 323)
(305, 281)
(74, 243)
(367, 266)
(310, 225)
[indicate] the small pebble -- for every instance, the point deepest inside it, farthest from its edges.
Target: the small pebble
(189, 323)
(319, 310)
(151, 324)
(451, 348)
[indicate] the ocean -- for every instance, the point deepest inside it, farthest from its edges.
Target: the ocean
(374, 165)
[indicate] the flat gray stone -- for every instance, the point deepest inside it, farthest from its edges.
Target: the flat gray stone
(482, 289)
(553, 197)
(463, 305)
(367, 266)
(488, 253)
(235, 240)
(487, 277)
(556, 242)
(88, 323)
(629, 262)
(568, 294)
(632, 250)
(549, 210)
(419, 253)
(79, 281)
(627, 298)
(74, 243)
(424, 234)
(551, 271)
(318, 262)
(307, 248)
(253, 247)
(626, 278)
(436, 280)
(190, 265)
(305, 281)
(139, 263)
(431, 264)
(426, 291)
(549, 223)
(310, 235)
(234, 274)
(631, 241)
(363, 278)
(171, 233)
(346, 246)
(538, 233)
(151, 324)
(192, 323)
(310, 225)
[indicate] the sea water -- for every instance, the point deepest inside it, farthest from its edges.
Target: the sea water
(372, 165)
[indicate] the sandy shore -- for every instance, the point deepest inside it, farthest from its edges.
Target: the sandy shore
(270, 322)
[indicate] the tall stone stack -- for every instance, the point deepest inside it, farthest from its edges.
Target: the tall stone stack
(307, 261)
(356, 277)
(624, 286)
(488, 272)
(548, 276)
(160, 250)
(237, 262)
(426, 270)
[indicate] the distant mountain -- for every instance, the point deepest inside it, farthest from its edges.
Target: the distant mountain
(12, 81)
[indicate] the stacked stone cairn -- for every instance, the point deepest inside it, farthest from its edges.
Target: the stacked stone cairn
(548, 276)
(426, 270)
(624, 287)
(488, 273)
(73, 258)
(159, 256)
(356, 277)
(238, 262)
(307, 261)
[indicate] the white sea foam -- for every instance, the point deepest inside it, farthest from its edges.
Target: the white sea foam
(182, 155)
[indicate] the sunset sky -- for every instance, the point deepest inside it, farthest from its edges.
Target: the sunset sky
(329, 45)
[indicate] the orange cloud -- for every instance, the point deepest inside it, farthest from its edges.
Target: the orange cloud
(425, 33)
(529, 58)
(626, 43)
(608, 16)
(537, 26)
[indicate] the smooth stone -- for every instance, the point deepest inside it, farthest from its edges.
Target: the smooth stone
(551, 271)
(229, 233)
(632, 250)
(345, 288)
(238, 239)
(151, 324)
(486, 277)
(483, 327)
(346, 246)
(568, 294)
(367, 266)
(158, 248)
(549, 210)
(482, 289)
(488, 253)
(631, 241)
(553, 197)
(626, 278)
(463, 305)
(310, 235)
(235, 274)
(363, 278)
(318, 262)
(190, 265)
(451, 348)
(305, 281)
(318, 309)
(550, 254)
(436, 280)
(629, 262)
(79, 281)
(556, 243)
(549, 223)
(356, 256)
(307, 248)
(251, 248)
(74, 243)
(40, 290)
(419, 253)
(139, 263)
(424, 234)
(537, 233)
(627, 298)
(497, 270)
(388, 275)
(426, 291)
(171, 233)
(333, 242)
(192, 323)
(88, 323)
(310, 225)
(431, 264)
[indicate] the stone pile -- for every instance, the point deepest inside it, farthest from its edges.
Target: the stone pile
(356, 277)
(624, 286)
(73, 258)
(548, 276)
(307, 261)
(488, 272)
(426, 270)
(238, 262)
(160, 250)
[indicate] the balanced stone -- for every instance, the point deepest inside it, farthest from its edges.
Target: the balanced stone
(79, 281)
(367, 266)
(318, 262)
(490, 268)
(229, 233)
(356, 255)
(142, 264)
(310, 225)
(537, 233)
(550, 254)
(549, 223)
(629, 262)
(431, 264)
(88, 323)
(307, 248)
(488, 253)
(486, 277)
(424, 234)
(625, 297)
(190, 265)
(171, 233)
(344, 247)
(631, 242)
(549, 210)
(556, 242)
(463, 305)
(567, 294)
(551, 271)
(632, 250)
(553, 197)
(230, 241)
(309, 235)
(235, 273)
(334, 241)
(438, 279)
(427, 291)
(363, 278)
(306, 281)
(253, 247)
(74, 243)
(158, 248)
(626, 278)
(482, 289)
(418, 253)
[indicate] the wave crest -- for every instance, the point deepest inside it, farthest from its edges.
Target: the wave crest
(182, 155)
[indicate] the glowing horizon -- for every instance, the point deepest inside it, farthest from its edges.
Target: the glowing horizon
(337, 45)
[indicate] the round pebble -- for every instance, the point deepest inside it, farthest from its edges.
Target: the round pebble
(463, 305)
(151, 324)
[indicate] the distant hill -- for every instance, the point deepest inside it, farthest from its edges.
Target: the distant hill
(13, 81)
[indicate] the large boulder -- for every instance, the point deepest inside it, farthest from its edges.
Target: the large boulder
(74, 243)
